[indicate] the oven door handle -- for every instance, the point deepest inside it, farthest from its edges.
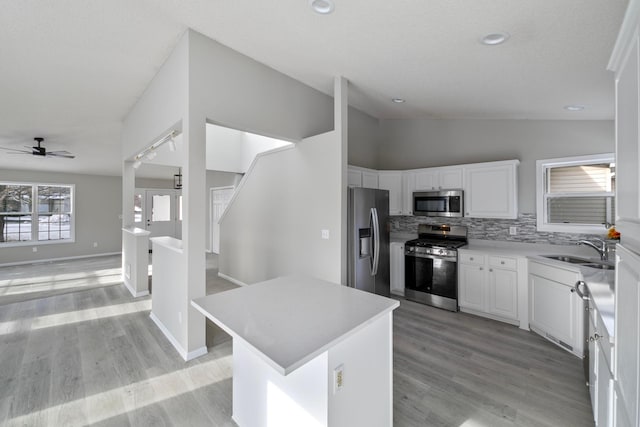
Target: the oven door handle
(375, 250)
(434, 257)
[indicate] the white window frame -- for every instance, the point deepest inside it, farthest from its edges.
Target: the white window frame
(541, 199)
(34, 216)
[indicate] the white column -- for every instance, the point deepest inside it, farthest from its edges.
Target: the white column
(341, 110)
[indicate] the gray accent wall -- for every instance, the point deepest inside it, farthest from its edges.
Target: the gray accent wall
(98, 205)
(364, 135)
(418, 143)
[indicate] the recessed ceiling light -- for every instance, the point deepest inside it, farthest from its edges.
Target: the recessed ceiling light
(398, 100)
(574, 107)
(495, 38)
(322, 7)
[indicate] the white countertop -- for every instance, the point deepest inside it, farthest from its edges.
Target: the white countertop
(136, 231)
(401, 237)
(290, 320)
(168, 242)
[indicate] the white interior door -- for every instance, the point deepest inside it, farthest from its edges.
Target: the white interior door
(160, 212)
(220, 198)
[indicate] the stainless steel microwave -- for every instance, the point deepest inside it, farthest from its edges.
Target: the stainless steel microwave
(447, 203)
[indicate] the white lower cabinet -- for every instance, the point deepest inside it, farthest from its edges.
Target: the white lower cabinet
(397, 268)
(600, 372)
(555, 310)
(488, 285)
(627, 325)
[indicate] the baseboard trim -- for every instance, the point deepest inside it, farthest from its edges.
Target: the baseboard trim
(42, 261)
(133, 291)
(181, 351)
(232, 280)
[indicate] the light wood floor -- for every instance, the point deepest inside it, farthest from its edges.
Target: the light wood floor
(93, 357)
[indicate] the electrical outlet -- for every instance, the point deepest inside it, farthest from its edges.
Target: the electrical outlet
(338, 378)
(513, 231)
(325, 234)
(35, 249)
(95, 244)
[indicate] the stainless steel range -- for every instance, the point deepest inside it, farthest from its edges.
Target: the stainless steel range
(431, 265)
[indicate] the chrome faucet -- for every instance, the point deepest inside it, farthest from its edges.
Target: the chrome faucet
(599, 245)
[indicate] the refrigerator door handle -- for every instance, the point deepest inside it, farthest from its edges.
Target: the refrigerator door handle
(376, 240)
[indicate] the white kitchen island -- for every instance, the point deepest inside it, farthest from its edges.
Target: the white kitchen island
(294, 340)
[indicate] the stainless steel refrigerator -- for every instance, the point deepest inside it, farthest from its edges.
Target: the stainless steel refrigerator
(368, 241)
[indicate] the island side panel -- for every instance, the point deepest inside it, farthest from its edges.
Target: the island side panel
(366, 358)
(263, 397)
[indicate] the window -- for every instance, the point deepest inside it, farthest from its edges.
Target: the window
(31, 213)
(576, 194)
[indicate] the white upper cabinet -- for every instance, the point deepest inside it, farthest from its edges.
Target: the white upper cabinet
(354, 177)
(370, 179)
(362, 177)
(446, 178)
(392, 181)
(628, 144)
(491, 190)
(408, 187)
(625, 62)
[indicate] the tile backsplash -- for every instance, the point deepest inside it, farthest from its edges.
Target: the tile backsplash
(493, 229)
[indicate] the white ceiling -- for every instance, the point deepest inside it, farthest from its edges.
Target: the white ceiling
(70, 70)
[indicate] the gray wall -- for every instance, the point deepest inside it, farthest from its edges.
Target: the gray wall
(364, 133)
(154, 183)
(97, 209)
(417, 143)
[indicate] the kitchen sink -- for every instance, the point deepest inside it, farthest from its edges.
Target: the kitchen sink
(582, 262)
(570, 259)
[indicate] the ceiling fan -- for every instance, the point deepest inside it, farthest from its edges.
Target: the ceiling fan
(39, 150)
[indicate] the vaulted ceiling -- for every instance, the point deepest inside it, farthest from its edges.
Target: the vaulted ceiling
(71, 70)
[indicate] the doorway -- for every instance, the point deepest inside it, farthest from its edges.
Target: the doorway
(158, 211)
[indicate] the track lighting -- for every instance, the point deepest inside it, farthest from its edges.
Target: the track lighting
(150, 153)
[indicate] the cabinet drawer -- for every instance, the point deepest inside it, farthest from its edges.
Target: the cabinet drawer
(471, 258)
(503, 262)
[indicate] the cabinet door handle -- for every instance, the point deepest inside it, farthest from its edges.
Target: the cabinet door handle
(502, 262)
(471, 258)
(490, 270)
(480, 268)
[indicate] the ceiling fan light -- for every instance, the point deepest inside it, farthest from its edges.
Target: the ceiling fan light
(323, 7)
(494, 39)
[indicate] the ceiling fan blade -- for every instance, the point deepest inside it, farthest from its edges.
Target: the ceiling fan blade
(16, 150)
(64, 154)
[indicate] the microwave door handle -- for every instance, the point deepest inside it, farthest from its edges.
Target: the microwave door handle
(376, 241)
